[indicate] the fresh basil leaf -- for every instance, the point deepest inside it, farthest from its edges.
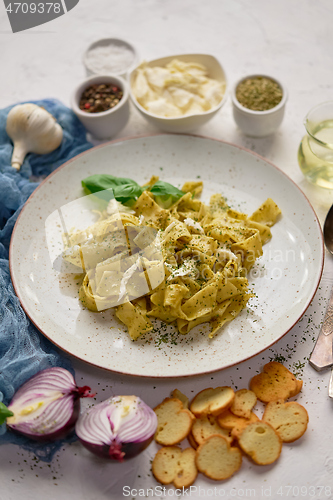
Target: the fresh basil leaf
(126, 191)
(4, 413)
(127, 194)
(166, 194)
(99, 182)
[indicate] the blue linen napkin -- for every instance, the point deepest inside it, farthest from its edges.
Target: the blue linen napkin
(23, 350)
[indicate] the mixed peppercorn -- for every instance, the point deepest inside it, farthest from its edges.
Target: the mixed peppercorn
(100, 97)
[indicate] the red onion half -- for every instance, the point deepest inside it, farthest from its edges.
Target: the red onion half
(47, 406)
(120, 427)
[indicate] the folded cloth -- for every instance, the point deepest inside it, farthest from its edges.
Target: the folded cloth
(23, 350)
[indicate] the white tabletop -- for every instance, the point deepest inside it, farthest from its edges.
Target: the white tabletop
(289, 39)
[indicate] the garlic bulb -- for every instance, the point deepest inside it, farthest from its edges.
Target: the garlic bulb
(32, 130)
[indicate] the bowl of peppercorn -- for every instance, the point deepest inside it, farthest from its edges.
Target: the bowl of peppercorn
(258, 103)
(102, 105)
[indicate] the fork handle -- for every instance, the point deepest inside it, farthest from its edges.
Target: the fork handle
(330, 386)
(322, 354)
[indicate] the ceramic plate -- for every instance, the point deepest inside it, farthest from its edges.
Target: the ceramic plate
(284, 279)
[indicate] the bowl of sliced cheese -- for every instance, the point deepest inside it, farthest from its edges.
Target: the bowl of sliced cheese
(179, 93)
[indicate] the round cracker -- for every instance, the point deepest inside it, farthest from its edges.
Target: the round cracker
(171, 464)
(273, 383)
(212, 401)
(174, 422)
(207, 426)
(290, 420)
(217, 459)
(244, 402)
(261, 442)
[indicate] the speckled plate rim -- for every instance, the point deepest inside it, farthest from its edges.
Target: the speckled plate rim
(144, 136)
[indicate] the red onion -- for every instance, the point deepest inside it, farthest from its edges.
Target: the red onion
(47, 406)
(120, 427)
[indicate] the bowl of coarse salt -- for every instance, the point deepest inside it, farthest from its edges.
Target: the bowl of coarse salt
(110, 56)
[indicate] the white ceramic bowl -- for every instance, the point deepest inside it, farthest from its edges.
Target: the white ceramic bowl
(185, 123)
(95, 67)
(106, 124)
(258, 123)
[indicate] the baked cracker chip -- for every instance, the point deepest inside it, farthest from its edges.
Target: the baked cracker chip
(179, 395)
(205, 427)
(235, 424)
(174, 422)
(243, 403)
(261, 442)
(212, 401)
(172, 465)
(290, 420)
(274, 382)
(192, 441)
(217, 459)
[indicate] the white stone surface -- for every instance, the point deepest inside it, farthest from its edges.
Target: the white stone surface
(289, 39)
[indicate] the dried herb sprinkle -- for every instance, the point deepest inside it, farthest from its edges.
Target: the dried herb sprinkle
(258, 93)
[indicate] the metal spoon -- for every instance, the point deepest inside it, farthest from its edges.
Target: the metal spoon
(328, 230)
(328, 238)
(322, 354)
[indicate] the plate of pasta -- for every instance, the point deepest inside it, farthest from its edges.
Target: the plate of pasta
(166, 255)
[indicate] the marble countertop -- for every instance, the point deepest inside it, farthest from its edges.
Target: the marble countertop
(291, 40)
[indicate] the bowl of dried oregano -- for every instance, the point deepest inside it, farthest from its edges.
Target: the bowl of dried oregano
(258, 104)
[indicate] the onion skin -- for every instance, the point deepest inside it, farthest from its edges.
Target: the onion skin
(128, 450)
(54, 436)
(47, 406)
(117, 429)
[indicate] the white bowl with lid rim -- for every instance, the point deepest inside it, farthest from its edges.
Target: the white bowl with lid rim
(258, 123)
(184, 123)
(113, 56)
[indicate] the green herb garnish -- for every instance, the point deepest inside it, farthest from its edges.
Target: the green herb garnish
(127, 191)
(4, 413)
(165, 194)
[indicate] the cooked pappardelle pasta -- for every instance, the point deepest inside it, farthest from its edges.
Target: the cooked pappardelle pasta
(184, 265)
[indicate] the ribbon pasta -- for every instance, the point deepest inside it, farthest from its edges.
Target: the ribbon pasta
(205, 253)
